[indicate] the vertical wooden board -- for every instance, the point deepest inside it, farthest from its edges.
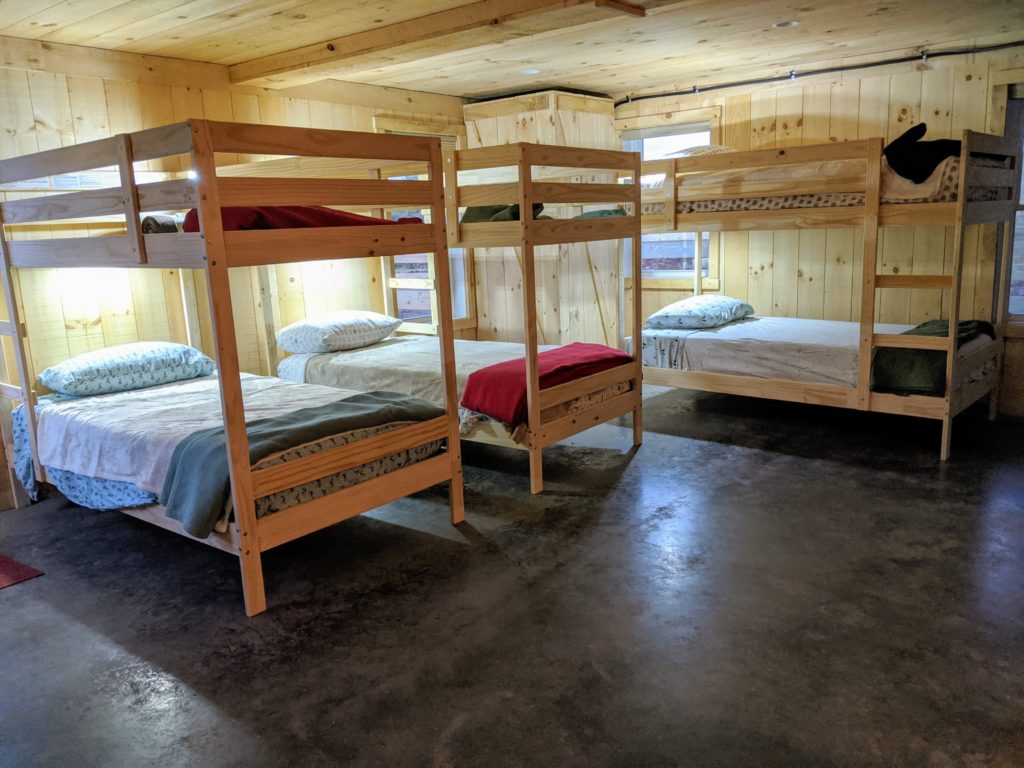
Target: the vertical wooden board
(904, 103)
(986, 273)
(43, 315)
(811, 274)
(198, 277)
(762, 119)
(362, 118)
(929, 255)
(296, 112)
(857, 282)
(734, 264)
(149, 304)
(785, 260)
(321, 115)
(217, 106)
(897, 254)
(816, 108)
(243, 308)
(175, 312)
(81, 310)
(123, 109)
(789, 116)
(88, 108)
(17, 130)
(571, 293)
(186, 103)
(972, 282)
(272, 110)
(51, 110)
(117, 310)
(343, 117)
(736, 131)
(245, 108)
(759, 272)
(970, 97)
(844, 109)
(873, 107)
(937, 102)
(291, 304)
(839, 274)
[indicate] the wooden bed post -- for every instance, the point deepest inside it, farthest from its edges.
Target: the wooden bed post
(872, 200)
(219, 290)
(638, 313)
(442, 304)
(530, 319)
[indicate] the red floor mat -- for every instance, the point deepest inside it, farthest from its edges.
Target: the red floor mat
(12, 572)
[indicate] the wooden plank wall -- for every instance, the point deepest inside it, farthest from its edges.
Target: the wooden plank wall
(45, 109)
(813, 273)
(578, 283)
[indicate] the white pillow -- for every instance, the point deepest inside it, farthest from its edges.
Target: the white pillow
(344, 329)
(706, 311)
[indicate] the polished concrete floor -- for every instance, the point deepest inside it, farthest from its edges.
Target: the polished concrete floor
(761, 584)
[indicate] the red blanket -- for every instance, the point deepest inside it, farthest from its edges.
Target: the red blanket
(499, 390)
(288, 217)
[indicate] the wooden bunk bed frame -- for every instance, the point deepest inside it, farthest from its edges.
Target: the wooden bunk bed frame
(526, 174)
(959, 392)
(215, 251)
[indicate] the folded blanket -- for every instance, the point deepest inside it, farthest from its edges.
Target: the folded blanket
(198, 484)
(921, 371)
(499, 390)
(288, 217)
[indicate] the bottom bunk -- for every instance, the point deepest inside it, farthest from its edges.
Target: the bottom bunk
(411, 364)
(319, 455)
(816, 362)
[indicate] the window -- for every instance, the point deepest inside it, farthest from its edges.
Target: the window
(1015, 121)
(669, 254)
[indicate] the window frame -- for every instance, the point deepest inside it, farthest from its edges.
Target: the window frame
(1015, 121)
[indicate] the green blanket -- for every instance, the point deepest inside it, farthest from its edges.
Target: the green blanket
(197, 483)
(921, 371)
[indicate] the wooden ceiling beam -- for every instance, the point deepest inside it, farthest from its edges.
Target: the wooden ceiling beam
(489, 21)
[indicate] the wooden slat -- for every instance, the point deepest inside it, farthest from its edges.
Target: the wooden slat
(913, 281)
(487, 157)
(250, 191)
(990, 144)
(916, 214)
(155, 196)
(72, 159)
(289, 524)
(288, 246)
(157, 515)
(555, 192)
(727, 161)
(162, 141)
(795, 218)
(11, 392)
(574, 423)
(291, 474)
(989, 212)
(754, 386)
(490, 234)
(488, 194)
(985, 176)
(582, 230)
(908, 405)
(168, 250)
(252, 139)
(578, 157)
(321, 167)
(585, 386)
(909, 341)
(768, 187)
(7, 328)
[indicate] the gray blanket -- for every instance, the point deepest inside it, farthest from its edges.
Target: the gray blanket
(197, 484)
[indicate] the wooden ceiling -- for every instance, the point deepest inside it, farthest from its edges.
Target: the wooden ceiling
(481, 48)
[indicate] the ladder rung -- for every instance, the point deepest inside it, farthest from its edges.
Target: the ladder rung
(913, 281)
(910, 341)
(11, 392)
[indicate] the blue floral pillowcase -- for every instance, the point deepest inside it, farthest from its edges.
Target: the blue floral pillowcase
(705, 311)
(126, 367)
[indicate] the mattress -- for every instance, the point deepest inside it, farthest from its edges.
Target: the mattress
(112, 451)
(411, 364)
(942, 186)
(795, 349)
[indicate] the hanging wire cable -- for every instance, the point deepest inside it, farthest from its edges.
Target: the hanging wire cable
(794, 74)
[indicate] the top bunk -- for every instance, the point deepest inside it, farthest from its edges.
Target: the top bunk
(828, 185)
(219, 166)
(519, 195)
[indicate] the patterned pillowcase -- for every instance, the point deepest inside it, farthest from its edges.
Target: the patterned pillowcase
(705, 311)
(335, 331)
(126, 367)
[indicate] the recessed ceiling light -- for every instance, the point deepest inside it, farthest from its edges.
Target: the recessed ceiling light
(531, 71)
(785, 24)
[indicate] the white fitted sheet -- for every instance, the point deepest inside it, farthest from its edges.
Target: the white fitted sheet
(797, 349)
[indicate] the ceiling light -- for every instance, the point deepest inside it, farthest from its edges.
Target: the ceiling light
(531, 71)
(785, 24)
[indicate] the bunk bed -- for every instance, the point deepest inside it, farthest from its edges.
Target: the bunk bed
(837, 185)
(430, 443)
(528, 176)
